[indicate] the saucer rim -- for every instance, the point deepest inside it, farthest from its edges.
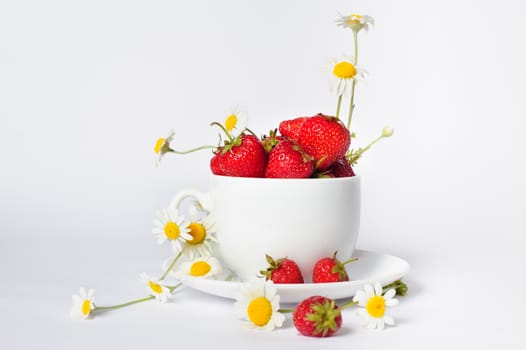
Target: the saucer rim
(211, 286)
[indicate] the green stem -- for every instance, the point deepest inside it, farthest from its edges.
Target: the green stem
(172, 288)
(136, 301)
(118, 306)
(351, 107)
(172, 264)
(349, 261)
(347, 305)
(230, 138)
(338, 107)
(193, 149)
(286, 311)
(361, 151)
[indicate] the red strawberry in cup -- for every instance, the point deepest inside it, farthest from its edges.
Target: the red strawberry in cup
(325, 138)
(291, 128)
(317, 316)
(341, 168)
(243, 157)
(215, 164)
(288, 160)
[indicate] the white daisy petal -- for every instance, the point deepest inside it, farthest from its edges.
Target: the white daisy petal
(380, 323)
(369, 292)
(389, 320)
(389, 294)
(377, 288)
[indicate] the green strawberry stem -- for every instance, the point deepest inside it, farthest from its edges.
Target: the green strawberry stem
(349, 261)
(351, 107)
(170, 267)
(136, 301)
(338, 107)
(230, 138)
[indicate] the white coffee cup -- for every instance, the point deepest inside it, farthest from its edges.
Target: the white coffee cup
(302, 219)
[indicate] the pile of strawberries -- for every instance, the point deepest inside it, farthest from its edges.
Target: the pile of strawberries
(316, 316)
(304, 147)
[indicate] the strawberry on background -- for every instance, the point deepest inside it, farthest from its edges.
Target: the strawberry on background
(283, 270)
(317, 316)
(330, 269)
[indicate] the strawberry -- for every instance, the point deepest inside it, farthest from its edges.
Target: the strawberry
(325, 138)
(282, 271)
(317, 316)
(215, 164)
(243, 157)
(330, 270)
(287, 160)
(291, 128)
(341, 168)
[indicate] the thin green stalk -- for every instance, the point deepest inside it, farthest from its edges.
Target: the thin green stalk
(338, 107)
(347, 305)
(193, 150)
(136, 301)
(172, 288)
(172, 264)
(349, 261)
(351, 107)
(286, 311)
(118, 306)
(230, 138)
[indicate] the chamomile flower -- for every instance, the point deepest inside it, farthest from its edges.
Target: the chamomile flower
(170, 226)
(343, 72)
(162, 146)
(236, 121)
(83, 304)
(202, 234)
(355, 21)
(156, 288)
(374, 303)
(258, 303)
(207, 267)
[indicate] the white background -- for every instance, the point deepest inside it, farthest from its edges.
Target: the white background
(86, 87)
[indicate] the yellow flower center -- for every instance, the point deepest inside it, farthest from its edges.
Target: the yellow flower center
(200, 268)
(259, 311)
(86, 307)
(155, 287)
(356, 17)
(231, 122)
(172, 230)
(344, 70)
(198, 233)
(376, 306)
(159, 145)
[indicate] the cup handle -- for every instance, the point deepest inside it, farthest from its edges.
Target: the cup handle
(203, 198)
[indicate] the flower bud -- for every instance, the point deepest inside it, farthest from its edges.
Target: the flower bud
(387, 131)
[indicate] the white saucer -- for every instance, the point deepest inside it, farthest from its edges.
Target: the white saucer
(371, 267)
